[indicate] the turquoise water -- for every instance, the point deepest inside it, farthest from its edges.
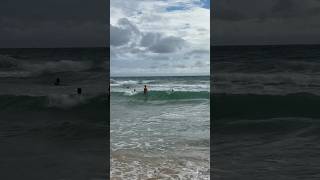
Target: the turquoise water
(162, 134)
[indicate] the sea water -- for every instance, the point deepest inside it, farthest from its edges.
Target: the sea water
(265, 112)
(163, 134)
(48, 131)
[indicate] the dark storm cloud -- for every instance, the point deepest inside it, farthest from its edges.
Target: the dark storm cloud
(53, 23)
(266, 22)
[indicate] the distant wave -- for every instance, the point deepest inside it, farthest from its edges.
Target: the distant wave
(55, 116)
(12, 67)
(163, 95)
(261, 65)
(62, 102)
(7, 62)
(260, 83)
(57, 66)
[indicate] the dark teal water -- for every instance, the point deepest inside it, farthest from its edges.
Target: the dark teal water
(49, 131)
(265, 112)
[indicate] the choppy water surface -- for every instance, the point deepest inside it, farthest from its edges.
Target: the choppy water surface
(164, 134)
(265, 112)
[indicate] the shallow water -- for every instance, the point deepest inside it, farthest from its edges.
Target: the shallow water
(165, 134)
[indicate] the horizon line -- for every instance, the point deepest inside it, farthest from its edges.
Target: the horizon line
(292, 44)
(158, 76)
(67, 47)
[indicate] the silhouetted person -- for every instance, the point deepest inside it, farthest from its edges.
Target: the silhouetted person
(57, 82)
(145, 89)
(79, 91)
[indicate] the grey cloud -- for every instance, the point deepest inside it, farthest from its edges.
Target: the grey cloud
(182, 66)
(123, 32)
(198, 51)
(159, 43)
(200, 64)
(168, 45)
(119, 36)
(149, 39)
(124, 22)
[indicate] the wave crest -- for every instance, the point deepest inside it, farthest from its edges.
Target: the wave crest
(163, 95)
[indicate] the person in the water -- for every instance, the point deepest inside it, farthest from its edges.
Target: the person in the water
(145, 89)
(79, 90)
(57, 83)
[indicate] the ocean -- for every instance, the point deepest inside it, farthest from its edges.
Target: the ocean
(265, 112)
(164, 134)
(49, 131)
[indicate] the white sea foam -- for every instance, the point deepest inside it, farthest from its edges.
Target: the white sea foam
(65, 100)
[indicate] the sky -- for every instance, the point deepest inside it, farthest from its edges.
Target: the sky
(84, 23)
(53, 23)
(265, 22)
(159, 37)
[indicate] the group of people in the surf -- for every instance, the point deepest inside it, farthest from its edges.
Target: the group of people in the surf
(145, 90)
(57, 83)
(79, 90)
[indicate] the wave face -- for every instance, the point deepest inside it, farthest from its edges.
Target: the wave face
(61, 116)
(58, 102)
(163, 95)
(162, 87)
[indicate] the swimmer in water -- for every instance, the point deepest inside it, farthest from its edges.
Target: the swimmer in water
(145, 89)
(57, 83)
(79, 90)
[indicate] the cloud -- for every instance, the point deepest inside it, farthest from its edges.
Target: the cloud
(125, 33)
(119, 36)
(157, 35)
(150, 39)
(167, 45)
